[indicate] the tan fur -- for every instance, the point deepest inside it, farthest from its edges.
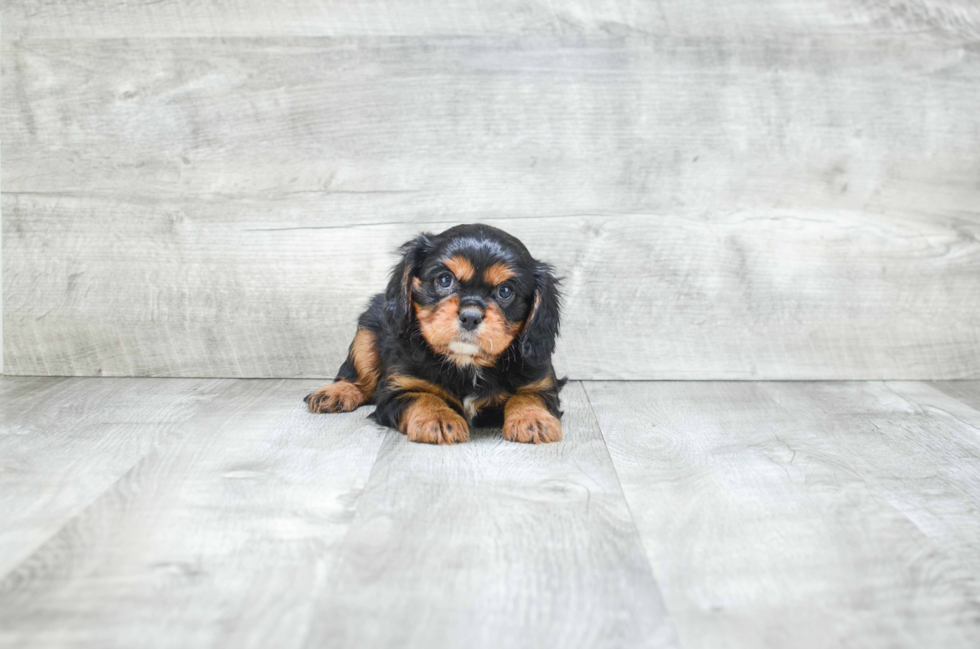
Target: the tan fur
(493, 401)
(497, 274)
(499, 399)
(462, 267)
(540, 385)
(440, 326)
(364, 356)
(495, 336)
(341, 396)
(407, 283)
(429, 420)
(439, 323)
(526, 419)
(413, 384)
(534, 309)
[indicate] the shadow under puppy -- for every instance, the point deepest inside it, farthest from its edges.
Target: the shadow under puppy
(462, 336)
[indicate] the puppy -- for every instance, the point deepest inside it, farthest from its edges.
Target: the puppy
(462, 337)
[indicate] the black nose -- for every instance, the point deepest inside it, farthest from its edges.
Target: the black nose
(470, 318)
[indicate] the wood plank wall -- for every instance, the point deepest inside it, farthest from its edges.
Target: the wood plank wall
(765, 190)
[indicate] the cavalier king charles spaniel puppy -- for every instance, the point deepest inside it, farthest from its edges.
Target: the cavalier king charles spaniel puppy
(462, 337)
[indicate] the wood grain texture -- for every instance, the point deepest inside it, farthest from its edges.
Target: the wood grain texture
(940, 493)
(319, 131)
(744, 295)
(63, 443)
(218, 538)
(750, 514)
(707, 18)
(781, 207)
(966, 391)
(493, 544)
(803, 514)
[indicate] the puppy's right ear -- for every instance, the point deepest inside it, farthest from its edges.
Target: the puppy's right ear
(398, 295)
(542, 324)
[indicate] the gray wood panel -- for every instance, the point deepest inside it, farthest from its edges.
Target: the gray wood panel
(220, 537)
(776, 207)
(803, 514)
(966, 391)
(719, 515)
(123, 18)
(63, 443)
(319, 131)
(494, 544)
(942, 494)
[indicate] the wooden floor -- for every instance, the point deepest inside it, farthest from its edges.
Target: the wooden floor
(219, 513)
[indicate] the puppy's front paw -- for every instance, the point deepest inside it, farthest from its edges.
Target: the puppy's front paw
(432, 423)
(336, 397)
(532, 426)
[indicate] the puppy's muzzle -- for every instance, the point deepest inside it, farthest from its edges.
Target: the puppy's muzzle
(470, 318)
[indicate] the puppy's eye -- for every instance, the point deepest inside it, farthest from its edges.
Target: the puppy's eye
(505, 292)
(445, 280)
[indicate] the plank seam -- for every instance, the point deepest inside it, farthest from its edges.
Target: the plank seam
(629, 510)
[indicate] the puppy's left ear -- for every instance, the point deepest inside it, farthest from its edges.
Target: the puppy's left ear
(542, 324)
(398, 295)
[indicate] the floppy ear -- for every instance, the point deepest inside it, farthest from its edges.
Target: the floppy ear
(541, 327)
(398, 295)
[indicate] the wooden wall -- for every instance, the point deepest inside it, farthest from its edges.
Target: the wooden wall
(778, 190)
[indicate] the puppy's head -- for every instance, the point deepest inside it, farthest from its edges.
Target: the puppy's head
(474, 289)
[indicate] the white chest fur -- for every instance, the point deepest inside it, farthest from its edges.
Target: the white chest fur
(469, 406)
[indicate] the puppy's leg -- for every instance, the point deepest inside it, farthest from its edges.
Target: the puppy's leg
(356, 380)
(532, 415)
(430, 420)
(422, 410)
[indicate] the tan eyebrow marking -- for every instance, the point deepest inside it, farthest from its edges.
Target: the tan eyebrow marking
(461, 266)
(497, 274)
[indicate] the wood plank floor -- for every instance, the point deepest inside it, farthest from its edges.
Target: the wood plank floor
(219, 513)
(775, 189)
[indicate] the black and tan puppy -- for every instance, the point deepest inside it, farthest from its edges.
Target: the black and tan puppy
(462, 336)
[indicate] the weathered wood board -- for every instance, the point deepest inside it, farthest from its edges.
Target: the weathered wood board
(219, 537)
(204, 513)
(803, 514)
(767, 206)
(493, 544)
(966, 391)
(705, 18)
(255, 523)
(63, 443)
(737, 296)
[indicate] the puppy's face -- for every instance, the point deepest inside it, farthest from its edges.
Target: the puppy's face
(473, 290)
(471, 299)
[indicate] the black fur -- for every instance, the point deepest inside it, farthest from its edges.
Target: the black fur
(398, 295)
(536, 303)
(538, 337)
